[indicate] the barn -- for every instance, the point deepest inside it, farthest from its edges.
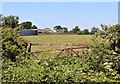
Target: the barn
(28, 32)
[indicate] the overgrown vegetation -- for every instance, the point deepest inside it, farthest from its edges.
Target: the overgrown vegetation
(13, 44)
(69, 69)
(104, 54)
(99, 63)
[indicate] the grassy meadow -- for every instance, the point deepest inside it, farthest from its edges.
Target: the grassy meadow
(52, 44)
(56, 39)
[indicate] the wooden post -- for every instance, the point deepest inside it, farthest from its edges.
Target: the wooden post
(29, 49)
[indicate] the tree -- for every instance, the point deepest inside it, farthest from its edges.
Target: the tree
(10, 21)
(65, 29)
(26, 25)
(94, 30)
(85, 32)
(76, 29)
(34, 27)
(57, 27)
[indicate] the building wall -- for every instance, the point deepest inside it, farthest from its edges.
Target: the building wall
(28, 32)
(59, 30)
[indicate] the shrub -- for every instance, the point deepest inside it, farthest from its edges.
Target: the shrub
(100, 56)
(12, 43)
(49, 70)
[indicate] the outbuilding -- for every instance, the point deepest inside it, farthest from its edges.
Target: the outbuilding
(28, 32)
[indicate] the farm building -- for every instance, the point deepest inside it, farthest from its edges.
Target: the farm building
(59, 30)
(28, 32)
(40, 31)
(45, 30)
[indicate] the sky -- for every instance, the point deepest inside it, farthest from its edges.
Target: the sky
(59, 0)
(66, 14)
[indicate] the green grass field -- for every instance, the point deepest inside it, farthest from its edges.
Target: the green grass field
(58, 42)
(56, 39)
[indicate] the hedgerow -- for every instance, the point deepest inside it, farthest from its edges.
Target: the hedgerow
(99, 63)
(69, 69)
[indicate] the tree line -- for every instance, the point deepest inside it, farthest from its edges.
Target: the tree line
(13, 22)
(77, 30)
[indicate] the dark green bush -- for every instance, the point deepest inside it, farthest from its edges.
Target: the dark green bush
(12, 43)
